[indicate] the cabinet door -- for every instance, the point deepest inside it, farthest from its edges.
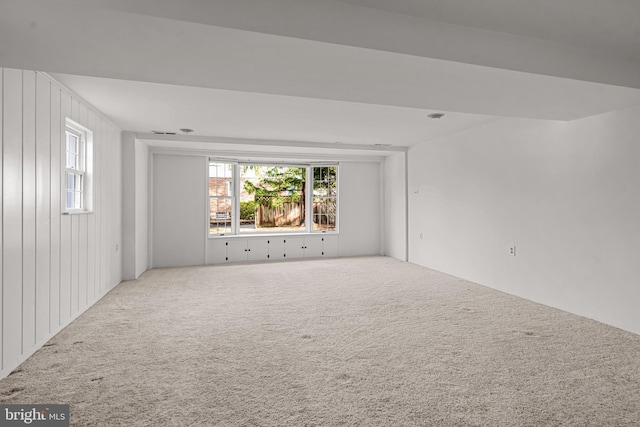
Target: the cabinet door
(257, 249)
(313, 246)
(294, 247)
(331, 245)
(276, 249)
(236, 250)
(217, 251)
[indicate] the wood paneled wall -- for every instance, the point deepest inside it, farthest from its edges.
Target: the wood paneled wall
(54, 266)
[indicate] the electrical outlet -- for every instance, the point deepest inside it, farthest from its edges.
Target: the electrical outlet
(512, 250)
(421, 236)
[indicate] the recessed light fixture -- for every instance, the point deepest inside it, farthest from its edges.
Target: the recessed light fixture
(186, 130)
(435, 115)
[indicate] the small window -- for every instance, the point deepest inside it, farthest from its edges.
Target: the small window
(78, 167)
(221, 200)
(325, 198)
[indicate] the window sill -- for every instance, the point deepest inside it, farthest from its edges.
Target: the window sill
(77, 212)
(258, 235)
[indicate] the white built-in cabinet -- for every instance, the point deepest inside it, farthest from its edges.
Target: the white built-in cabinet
(258, 248)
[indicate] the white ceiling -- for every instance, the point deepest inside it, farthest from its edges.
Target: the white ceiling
(353, 71)
(235, 114)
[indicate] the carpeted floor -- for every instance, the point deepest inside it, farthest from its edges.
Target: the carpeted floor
(341, 342)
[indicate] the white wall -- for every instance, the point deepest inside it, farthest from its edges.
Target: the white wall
(179, 210)
(128, 206)
(142, 208)
(395, 206)
(360, 192)
(54, 266)
(180, 216)
(135, 168)
(564, 193)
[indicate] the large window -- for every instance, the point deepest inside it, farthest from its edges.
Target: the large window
(261, 198)
(78, 168)
(272, 198)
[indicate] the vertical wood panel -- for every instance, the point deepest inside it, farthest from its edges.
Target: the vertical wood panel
(97, 207)
(91, 228)
(74, 114)
(75, 258)
(104, 160)
(82, 235)
(28, 210)
(12, 217)
(43, 206)
(56, 175)
(65, 224)
(82, 261)
(52, 265)
(1, 211)
(116, 212)
(109, 209)
(83, 112)
(75, 237)
(99, 200)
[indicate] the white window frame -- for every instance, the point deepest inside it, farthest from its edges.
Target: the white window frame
(235, 216)
(310, 182)
(235, 220)
(272, 164)
(83, 168)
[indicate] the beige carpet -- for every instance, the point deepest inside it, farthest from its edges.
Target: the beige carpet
(344, 342)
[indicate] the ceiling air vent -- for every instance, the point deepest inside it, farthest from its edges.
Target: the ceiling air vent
(159, 132)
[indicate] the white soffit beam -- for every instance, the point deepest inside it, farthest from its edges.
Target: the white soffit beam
(404, 26)
(104, 43)
(607, 26)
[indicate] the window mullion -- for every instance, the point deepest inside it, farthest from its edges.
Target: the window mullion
(235, 198)
(308, 220)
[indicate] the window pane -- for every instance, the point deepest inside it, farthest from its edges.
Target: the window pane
(220, 198)
(78, 200)
(70, 199)
(320, 188)
(324, 213)
(220, 215)
(325, 198)
(70, 181)
(72, 151)
(272, 198)
(75, 195)
(71, 161)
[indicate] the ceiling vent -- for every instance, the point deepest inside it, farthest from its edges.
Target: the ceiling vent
(159, 132)
(435, 115)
